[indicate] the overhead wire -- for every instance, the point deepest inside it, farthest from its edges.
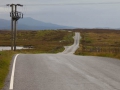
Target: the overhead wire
(25, 6)
(4, 10)
(62, 4)
(59, 4)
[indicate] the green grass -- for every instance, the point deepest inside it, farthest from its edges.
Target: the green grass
(5, 59)
(48, 41)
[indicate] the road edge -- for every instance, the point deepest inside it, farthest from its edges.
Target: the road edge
(12, 74)
(8, 78)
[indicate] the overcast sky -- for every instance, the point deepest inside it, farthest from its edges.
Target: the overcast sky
(81, 15)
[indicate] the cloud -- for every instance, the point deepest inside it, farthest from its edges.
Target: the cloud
(71, 15)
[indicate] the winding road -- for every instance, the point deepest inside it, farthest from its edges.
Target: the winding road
(64, 71)
(71, 49)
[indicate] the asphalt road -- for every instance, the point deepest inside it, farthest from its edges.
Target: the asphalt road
(65, 71)
(71, 49)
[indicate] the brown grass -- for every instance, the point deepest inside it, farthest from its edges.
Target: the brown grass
(99, 42)
(45, 41)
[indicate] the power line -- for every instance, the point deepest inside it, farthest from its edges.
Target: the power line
(62, 4)
(25, 9)
(65, 4)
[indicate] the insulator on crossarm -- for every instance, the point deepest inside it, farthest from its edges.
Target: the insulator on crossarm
(22, 15)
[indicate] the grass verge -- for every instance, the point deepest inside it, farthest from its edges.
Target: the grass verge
(5, 59)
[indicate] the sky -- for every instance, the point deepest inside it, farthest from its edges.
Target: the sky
(75, 13)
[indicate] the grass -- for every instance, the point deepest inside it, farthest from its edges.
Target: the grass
(42, 41)
(99, 42)
(47, 41)
(95, 42)
(5, 59)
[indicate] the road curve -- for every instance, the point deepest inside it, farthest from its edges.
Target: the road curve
(71, 49)
(65, 72)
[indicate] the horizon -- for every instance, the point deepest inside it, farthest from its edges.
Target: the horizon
(71, 27)
(75, 13)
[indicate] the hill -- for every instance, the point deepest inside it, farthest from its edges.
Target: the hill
(31, 24)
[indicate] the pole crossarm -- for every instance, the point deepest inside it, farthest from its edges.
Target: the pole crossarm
(14, 5)
(14, 13)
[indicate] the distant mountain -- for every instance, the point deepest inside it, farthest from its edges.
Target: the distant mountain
(4, 23)
(31, 24)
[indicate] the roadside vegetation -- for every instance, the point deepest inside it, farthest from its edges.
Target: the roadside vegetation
(46, 41)
(5, 59)
(99, 42)
(94, 42)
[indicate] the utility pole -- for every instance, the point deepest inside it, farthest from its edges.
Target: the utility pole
(12, 9)
(15, 29)
(15, 16)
